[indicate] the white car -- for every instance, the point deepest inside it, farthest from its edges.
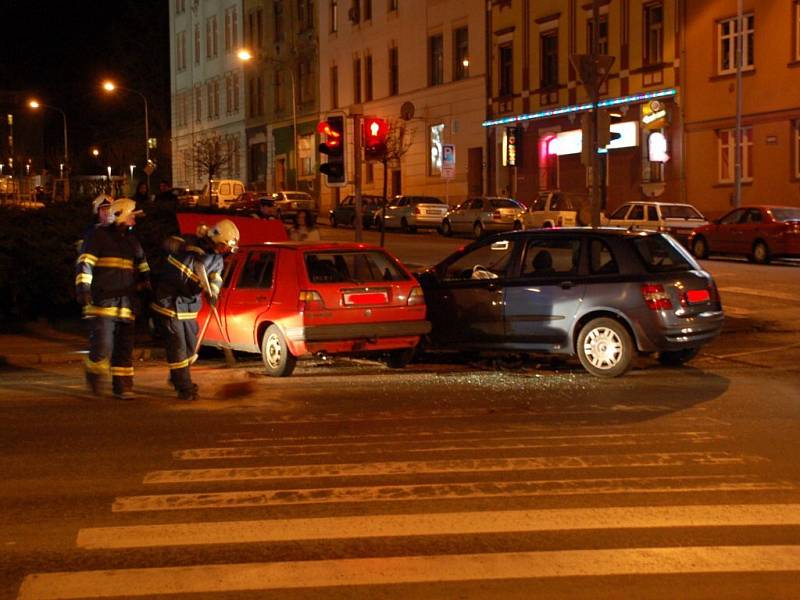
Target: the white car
(559, 209)
(223, 192)
(676, 219)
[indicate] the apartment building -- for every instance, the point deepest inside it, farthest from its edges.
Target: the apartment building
(770, 107)
(536, 98)
(281, 91)
(206, 85)
(421, 65)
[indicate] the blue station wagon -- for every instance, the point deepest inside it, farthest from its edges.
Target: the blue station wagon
(601, 294)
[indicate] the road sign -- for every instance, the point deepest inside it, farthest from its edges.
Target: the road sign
(592, 71)
(448, 161)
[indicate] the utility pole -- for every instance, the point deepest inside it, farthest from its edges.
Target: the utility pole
(595, 96)
(737, 201)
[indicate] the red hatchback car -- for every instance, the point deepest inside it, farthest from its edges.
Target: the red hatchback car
(759, 232)
(286, 300)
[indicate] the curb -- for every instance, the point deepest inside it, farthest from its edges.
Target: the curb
(49, 358)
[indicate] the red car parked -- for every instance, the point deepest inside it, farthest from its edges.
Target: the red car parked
(291, 299)
(759, 232)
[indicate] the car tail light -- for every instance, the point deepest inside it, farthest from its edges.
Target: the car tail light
(497, 215)
(697, 296)
(417, 211)
(656, 297)
(310, 300)
(416, 297)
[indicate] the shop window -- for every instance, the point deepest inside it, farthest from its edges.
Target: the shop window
(436, 141)
(726, 155)
(305, 155)
(726, 44)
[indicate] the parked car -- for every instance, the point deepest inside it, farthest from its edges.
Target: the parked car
(290, 300)
(676, 219)
(604, 294)
(410, 213)
(287, 203)
(345, 211)
(223, 192)
(760, 233)
(481, 215)
(185, 197)
(559, 209)
(250, 203)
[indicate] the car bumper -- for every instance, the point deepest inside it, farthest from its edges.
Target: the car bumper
(358, 331)
(689, 332)
(424, 222)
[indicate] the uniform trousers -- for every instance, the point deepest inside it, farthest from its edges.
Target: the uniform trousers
(181, 341)
(111, 338)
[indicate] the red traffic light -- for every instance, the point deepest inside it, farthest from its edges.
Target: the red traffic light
(333, 137)
(375, 130)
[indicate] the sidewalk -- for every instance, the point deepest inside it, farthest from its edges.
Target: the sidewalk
(40, 343)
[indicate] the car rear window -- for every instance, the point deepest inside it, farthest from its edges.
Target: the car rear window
(425, 200)
(291, 196)
(786, 214)
(505, 203)
(352, 267)
(660, 255)
(679, 211)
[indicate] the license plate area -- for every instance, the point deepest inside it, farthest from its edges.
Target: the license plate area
(365, 297)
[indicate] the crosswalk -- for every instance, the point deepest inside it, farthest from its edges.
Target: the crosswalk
(411, 480)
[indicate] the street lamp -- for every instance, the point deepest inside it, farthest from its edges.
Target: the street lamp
(245, 55)
(35, 104)
(110, 86)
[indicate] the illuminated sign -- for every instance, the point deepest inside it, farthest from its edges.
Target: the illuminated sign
(654, 115)
(510, 143)
(571, 142)
(657, 147)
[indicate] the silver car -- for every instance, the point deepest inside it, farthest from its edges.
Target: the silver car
(481, 215)
(287, 203)
(410, 213)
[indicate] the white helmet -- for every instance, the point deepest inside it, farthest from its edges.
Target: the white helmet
(101, 200)
(225, 232)
(122, 208)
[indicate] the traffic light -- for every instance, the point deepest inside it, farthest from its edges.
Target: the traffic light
(333, 129)
(374, 134)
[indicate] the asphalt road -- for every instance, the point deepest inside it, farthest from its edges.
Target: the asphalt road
(493, 479)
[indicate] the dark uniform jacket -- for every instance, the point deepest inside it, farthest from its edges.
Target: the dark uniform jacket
(112, 268)
(179, 291)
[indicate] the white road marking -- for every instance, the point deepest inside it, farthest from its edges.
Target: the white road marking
(761, 293)
(596, 461)
(443, 491)
(431, 524)
(413, 569)
(478, 443)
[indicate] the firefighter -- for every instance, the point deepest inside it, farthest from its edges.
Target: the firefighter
(193, 263)
(102, 213)
(111, 272)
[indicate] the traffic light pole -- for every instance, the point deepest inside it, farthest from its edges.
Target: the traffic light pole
(357, 173)
(595, 162)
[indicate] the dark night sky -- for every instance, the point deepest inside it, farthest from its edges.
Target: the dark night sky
(61, 51)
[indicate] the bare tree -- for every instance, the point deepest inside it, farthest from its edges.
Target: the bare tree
(399, 139)
(208, 158)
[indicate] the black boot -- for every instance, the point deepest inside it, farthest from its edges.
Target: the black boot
(188, 393)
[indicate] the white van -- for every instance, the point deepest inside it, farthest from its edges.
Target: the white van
(223, 192)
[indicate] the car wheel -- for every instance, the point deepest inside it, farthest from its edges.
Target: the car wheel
(399, 359)
(404, 226)
(278, 360)
(700, 247)
(675, 358)
(447, 229)
(477, 230)
(333, 221)
(761, 254)
(605, 348)
(517, 225)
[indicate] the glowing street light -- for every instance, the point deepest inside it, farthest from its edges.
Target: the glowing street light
(109, 86)
(35, 105)
(94, 152)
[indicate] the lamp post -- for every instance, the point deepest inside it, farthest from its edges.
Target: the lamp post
(110, 86)
(35, 104)
(245, 55)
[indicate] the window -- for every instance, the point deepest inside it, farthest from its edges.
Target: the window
(260, 28)
(394, 72)
(334, 86)
(277, 11)
(197, 44)
(278, 90)
(257, 272)
(460, 53)
(334, 16)
(602, 39)
(549, 54)
(198, 104)
(489, 261)
(215, 87)
(601, 260)
(367, 10)
(392, 5)
(355, 12)
(211, 37)
(653, 46)
(620, 212)
(305, 155)
(230, 29)
(726, 47)
(352, 267)
(796, 144)
(660, 255)
(733, 217)
(306, 81)
(210, 100)
(368, 77)
(259, 96)
(370, 174)
(180, 6)
(236, 92)
(180, 51)
(356, 80)
(637, 213)
(796, 18)
(726, 142)
(548, 257)
(436, 59)
(228, 94)
(506, 70)
(436, 141)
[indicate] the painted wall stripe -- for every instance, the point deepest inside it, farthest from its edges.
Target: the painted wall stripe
(413, 569)
(431, 524)
(596, 461)
(384, 493)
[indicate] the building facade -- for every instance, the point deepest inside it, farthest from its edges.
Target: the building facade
(207, 79)
(536, 98)
(421, 65)
(770, 109)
